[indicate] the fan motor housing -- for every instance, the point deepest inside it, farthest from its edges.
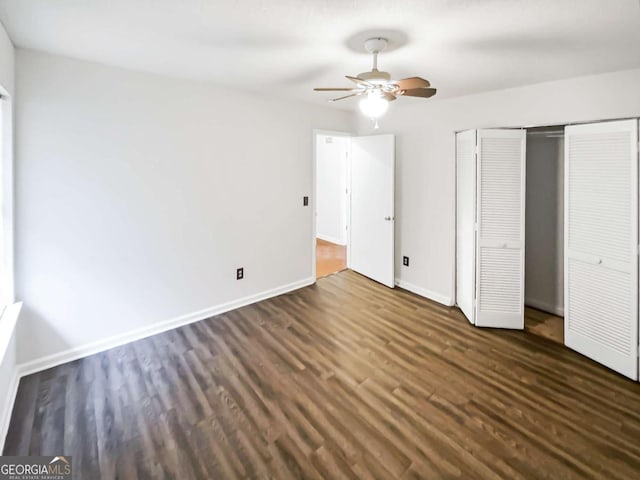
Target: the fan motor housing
(375, 45)
(375, 76)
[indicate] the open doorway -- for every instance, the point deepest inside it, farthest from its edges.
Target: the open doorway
(544, 233)
(353, 205)
(332, 206)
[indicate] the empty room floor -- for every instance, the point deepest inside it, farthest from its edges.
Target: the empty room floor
(343, 379)
(543, 324)
(330, 258)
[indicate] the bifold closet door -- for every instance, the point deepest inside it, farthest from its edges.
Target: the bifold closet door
(465, 222)
(500, 228)
(601, 243)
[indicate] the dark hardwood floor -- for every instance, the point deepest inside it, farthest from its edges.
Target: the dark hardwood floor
(544, 324)
(344, 379)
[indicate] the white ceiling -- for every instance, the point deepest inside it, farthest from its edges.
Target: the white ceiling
(286, 47)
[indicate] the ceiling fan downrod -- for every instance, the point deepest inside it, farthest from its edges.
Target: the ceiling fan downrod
(375, 46)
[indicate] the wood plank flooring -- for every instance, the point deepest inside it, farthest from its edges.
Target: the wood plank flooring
(544, 324)
(344, 379)
(330, 258)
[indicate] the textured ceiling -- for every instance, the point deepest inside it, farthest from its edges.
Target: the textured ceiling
(286, 47)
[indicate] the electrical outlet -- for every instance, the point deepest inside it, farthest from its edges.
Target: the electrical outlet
(305, 201)
(405, 261)
(240, 273)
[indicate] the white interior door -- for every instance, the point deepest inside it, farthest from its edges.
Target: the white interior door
(465, 222)
(500, 228)
(601, 243)
(372, 207)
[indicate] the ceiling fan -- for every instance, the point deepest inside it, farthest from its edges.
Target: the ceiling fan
(378, 86)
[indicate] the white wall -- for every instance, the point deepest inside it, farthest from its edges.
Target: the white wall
(8, 354)
(331, 184)
(425, 147)
(7, 62)
(544, 224)
(138, 196)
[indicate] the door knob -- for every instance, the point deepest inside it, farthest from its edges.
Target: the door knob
(387, 219)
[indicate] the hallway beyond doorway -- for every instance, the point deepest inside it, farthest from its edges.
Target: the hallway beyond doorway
(330, 258)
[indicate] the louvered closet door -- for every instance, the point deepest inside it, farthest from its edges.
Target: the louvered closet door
(601, 239)
(465, 222)
(500, 218)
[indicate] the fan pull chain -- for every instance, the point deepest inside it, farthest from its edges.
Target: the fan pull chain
(375, 124)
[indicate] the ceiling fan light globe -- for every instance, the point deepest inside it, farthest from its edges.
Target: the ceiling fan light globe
(373, 105)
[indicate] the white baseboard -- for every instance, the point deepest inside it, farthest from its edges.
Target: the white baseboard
(9, 401)
(327, 238)
(545, 307)
(75, 353)
(423, 292)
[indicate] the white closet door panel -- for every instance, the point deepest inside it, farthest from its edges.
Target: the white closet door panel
(465, 222)
(500, 188)
(597, 293)
(601, 241)
(499, 279)
(500, 214)
(600, 195)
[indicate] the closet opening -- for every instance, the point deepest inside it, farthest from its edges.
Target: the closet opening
(544, 233)
(547, 235)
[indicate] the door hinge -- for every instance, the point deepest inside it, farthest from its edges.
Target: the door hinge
(477, 149)
(475, 227)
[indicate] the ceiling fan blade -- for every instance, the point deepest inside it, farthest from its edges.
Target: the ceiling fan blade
(418, 92)
(337, 89)
(359, 81)
(411, 83)
(347, 96)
